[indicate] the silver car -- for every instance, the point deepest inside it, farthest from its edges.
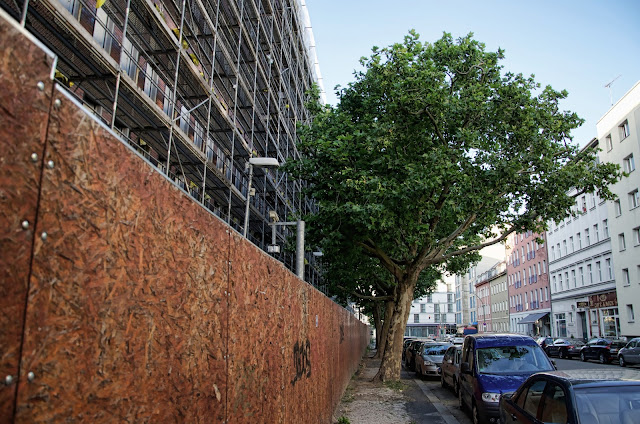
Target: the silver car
(630, 354)
(429, 358)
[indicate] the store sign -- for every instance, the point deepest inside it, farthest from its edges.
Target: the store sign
(582, 304)
(605, 300)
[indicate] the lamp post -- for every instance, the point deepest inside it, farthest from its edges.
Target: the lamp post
(260, 163)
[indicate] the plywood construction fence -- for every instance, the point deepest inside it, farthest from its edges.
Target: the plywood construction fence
(123, 300)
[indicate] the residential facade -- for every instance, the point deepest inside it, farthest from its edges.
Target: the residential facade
(466, 298)
(528, 284)
(583, 288)
(619, 134)
(432, 316)
(493, 306)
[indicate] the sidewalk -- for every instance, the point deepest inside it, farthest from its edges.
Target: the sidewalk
(410, 402)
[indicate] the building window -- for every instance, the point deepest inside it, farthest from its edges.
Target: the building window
(544, 266)
(625, 277)
(581, 273)
(579, 238)
(628, 164)
(596, 233)
(630, 314)
(586, 234)
(573, 277)
(423, 308)
(618, 207)
(103, 30)
(609, 143)
(555, 285)
(561, 325)
(571, 244)
(609, 269)
(636, 236)
(605, 228)
(416, 318)
(589, 271)
(553, 252)
(621, 242)
(634, 199)
(599, 270)
(624, 130)
(564, 246)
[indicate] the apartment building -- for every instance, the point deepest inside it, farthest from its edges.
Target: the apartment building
(619, 134)
(466, 298)
(493, 306)
(583, 288)
(197, 88)
(432, 316)
(528, 284)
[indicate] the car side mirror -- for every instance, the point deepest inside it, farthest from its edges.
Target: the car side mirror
(464, 368)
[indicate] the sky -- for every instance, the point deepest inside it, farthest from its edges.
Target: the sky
(575, 45)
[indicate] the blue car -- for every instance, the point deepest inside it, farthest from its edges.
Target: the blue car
(493, 364)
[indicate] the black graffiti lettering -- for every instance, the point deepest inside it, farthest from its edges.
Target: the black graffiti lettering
(302, 360)
(341, 333)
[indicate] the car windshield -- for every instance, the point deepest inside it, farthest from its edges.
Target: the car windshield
(435, 349)
(621, 402)
(512, 359)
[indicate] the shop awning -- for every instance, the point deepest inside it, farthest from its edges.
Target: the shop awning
(531, 318)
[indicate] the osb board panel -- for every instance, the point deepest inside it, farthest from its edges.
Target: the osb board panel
(127, 313)
(256, 329)
(23, 120)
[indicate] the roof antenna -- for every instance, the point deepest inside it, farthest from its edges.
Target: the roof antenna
(608, 85)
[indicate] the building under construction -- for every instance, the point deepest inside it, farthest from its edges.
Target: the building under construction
(198, 87)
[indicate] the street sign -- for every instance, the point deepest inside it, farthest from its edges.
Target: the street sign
(582, 304)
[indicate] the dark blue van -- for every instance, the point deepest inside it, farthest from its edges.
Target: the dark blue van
(492, 364)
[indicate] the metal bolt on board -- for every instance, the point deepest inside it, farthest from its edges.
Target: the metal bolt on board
(25, 224)
(50, 164)
(8, 380)
(34, 157)
(57, 103)
(44, 235)
(31, 376)
(40, 85)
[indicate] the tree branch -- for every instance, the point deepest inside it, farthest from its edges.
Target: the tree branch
(362, 296)
(370, 247)
(477, 247)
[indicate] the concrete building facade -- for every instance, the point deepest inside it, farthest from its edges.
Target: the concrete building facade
(619, 134)
(493, 306)
(581, 270)
(432, 316)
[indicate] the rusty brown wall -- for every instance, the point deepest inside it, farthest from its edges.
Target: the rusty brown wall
(138, 305)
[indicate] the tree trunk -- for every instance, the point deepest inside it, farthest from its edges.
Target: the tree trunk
(392, 356)
(386, 319)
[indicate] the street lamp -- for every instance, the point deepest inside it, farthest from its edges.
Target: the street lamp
(259, 163)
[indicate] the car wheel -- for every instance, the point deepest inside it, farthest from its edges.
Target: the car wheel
(623, 363)
(475, 415)
(582, 357)
(602, 358)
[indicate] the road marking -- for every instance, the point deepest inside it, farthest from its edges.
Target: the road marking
(443, 410)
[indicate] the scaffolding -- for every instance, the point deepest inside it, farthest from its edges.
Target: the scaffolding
(198, 87)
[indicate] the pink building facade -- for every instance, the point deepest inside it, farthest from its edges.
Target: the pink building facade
(528, 284)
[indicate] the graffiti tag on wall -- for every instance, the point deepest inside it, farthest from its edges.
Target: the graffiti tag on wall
(302, 360)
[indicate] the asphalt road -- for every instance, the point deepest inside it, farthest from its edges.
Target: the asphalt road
(433, 404)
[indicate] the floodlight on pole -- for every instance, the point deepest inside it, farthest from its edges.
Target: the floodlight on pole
(259, 163)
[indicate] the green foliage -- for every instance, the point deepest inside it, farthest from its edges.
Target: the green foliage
(432, 152)
(395, 385)
(343, 420)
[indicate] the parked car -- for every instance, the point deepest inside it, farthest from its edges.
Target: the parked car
(450, 368)
(410, 354)
(630, 353)
(457, 340)
(429, 358)
(404, 346)
(561, 348)
(494, 364)
(574, 396)
(604, 350)
(544, 342)
(575, 350)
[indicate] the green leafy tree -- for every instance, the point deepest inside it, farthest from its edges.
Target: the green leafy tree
(433, 153)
